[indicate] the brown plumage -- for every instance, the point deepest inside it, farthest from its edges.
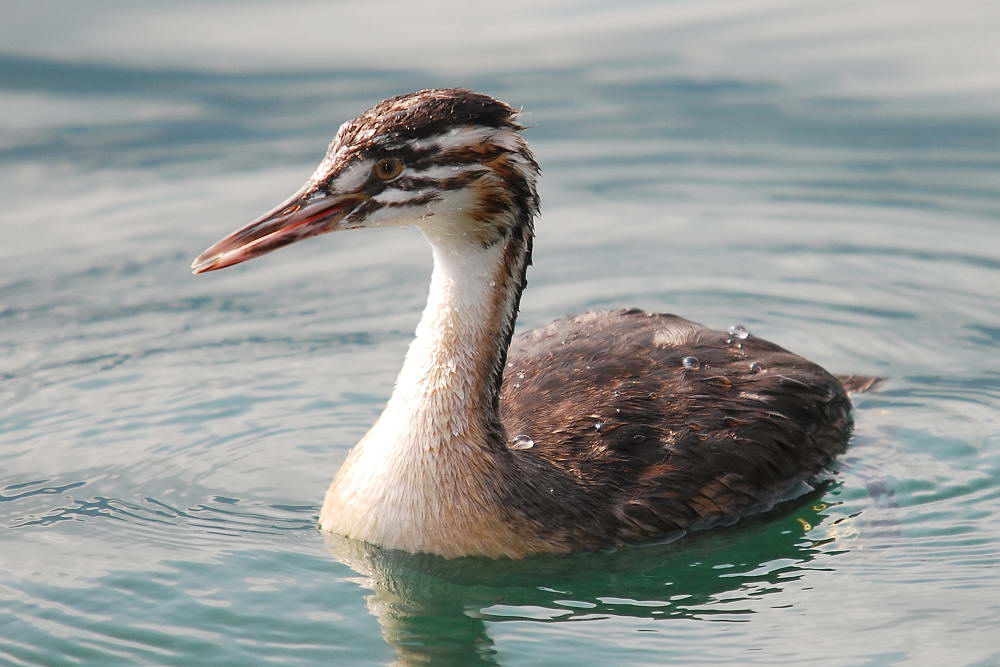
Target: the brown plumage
(659, 446)
(595, 430)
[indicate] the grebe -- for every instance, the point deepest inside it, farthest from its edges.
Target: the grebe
(592, 431)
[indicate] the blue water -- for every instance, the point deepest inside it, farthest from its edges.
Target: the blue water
(826, 174)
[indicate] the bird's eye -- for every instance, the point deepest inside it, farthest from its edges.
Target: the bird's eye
(388, 169)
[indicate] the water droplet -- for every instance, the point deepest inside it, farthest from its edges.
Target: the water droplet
(493, 283)
(521, 442)
(516, 385)
(690, 362)
(756, 367)
(739, 331)
(455, 433)
(597, 426)
(638, 437)
(520, 376)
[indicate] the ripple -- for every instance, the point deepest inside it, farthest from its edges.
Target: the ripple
(164, 437)
(160, 522)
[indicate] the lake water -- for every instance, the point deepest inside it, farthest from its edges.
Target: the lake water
(827, 174)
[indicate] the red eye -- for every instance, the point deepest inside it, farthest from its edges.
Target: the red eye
(388, 169)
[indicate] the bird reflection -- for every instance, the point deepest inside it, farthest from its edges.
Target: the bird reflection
(436, 611)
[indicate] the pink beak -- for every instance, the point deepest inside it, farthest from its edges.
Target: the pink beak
(300, 216)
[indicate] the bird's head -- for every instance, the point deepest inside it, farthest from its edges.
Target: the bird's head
(449, 160)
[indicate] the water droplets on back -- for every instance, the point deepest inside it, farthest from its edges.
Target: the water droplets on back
(521, 442)
(738, 332)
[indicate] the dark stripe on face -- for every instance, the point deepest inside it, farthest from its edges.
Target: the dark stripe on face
(416, 201)
(456, 157)
(419, 160)
(462, 179)
(413, 183)
(405, 152)
(366, 208)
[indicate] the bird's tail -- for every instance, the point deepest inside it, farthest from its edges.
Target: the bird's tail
(859, 384)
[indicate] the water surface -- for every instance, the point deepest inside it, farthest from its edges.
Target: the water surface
(828, 176)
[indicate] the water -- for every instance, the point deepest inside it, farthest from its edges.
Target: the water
(829, 175)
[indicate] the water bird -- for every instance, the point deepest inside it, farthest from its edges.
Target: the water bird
(595, 430)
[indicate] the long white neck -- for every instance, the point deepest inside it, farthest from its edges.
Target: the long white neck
(423, 478)
(443, 389)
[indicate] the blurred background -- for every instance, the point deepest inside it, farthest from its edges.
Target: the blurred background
(827, 174)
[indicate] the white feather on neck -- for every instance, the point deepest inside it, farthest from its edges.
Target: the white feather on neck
(437, 386)
(416, 481)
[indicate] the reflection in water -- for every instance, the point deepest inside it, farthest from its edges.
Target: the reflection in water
(434, 611)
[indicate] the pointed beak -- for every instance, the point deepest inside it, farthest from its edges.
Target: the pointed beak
(304, 214)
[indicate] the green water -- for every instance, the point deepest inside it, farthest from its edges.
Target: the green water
(826, 174)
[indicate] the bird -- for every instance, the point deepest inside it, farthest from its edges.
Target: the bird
(591, 432)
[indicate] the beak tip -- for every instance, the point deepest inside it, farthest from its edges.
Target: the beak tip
(202, 264)
(295, 219)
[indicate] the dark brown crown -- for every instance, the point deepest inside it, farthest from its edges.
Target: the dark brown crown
(423, 114)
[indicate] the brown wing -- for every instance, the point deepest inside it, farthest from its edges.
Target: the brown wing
(655, 443)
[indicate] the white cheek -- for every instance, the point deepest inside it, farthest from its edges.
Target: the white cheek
(451, 203)
(437, 216)
(391, 196)
(447, 218)
(395, 216)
